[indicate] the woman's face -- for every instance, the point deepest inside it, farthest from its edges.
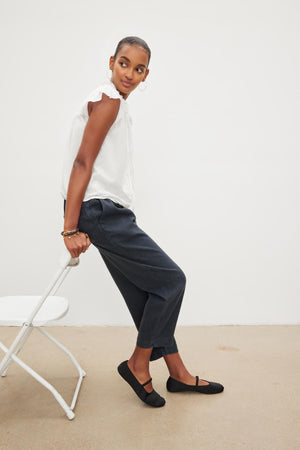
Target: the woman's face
(129, 68)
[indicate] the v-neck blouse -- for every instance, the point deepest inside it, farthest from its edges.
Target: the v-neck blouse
(113, 173)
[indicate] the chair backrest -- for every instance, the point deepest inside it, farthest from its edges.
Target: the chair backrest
(66, 262)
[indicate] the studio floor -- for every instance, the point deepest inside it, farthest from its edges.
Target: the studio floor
(259, 408)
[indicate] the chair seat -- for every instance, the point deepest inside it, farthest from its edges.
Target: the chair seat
(15, 309)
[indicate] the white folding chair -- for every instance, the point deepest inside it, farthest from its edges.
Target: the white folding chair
(33, 312)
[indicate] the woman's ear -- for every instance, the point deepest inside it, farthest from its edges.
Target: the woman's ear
(111, 63)
(146, 74)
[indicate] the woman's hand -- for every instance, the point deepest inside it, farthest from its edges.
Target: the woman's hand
(77, 243)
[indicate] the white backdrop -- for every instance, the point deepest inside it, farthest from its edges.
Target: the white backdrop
(216, 150)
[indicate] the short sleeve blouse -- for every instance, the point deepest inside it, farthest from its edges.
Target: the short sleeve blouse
(113, 173)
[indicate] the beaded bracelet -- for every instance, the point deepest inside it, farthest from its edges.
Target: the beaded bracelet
(74, 234)
(69, 233)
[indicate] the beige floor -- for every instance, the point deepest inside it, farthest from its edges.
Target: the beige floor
(259, 367)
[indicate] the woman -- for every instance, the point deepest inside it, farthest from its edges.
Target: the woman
(99, 203)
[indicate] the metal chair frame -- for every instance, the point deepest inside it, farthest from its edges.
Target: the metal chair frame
(66, 263)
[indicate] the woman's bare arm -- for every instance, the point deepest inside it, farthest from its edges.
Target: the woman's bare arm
(100, 120)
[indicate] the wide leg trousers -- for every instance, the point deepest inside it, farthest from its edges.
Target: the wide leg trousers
(151, 283)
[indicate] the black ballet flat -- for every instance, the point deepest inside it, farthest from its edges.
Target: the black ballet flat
(177, 386)
(151, 398)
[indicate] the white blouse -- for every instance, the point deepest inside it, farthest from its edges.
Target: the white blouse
(112, 174)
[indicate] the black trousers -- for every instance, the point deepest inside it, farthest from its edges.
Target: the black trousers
(151, 283)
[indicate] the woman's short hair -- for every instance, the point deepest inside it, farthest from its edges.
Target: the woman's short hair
(133, 40)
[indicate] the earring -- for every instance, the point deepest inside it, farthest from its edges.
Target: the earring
(144, 84)
(108, 74)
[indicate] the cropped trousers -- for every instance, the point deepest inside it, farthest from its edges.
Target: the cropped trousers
(151, 283)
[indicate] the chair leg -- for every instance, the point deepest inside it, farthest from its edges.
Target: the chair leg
(81, 372)
(19, 348)
(70, 414)
(13, 346)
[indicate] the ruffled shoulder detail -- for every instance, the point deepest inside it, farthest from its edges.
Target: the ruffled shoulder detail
(107, 88)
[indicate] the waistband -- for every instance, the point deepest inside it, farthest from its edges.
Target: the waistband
(118, 204)
(115, 203)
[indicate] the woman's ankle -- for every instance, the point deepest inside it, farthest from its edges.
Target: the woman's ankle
(140, 358)
(176, 366)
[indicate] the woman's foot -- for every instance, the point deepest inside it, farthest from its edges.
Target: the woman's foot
(212, 387)
(150, 398)
(187, 378)
(179, 372)
(138, 363)
(141, 374)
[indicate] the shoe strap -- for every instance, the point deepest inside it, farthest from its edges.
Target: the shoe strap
(144, 384)
(197, 378)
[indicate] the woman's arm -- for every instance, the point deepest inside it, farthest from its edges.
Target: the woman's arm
(100, 120)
